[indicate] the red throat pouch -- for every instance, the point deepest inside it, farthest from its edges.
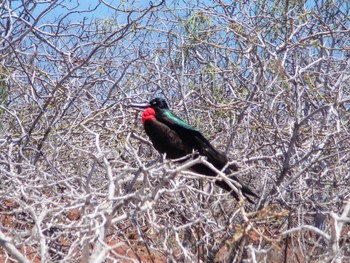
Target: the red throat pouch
(148, 114)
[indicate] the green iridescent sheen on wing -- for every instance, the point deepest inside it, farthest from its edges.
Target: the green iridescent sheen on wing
(172, 118)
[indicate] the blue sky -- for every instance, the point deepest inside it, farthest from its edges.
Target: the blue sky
(78, 10)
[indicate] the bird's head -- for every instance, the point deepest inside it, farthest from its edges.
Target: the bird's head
(158, 103)
(151, 108)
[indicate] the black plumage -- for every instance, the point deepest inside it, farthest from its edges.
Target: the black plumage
(174, 137)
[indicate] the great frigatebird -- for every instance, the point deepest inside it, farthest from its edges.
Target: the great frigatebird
(176, 138)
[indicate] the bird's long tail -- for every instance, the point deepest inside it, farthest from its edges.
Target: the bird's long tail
(246, 191)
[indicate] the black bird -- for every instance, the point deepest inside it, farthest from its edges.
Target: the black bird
(174, 137)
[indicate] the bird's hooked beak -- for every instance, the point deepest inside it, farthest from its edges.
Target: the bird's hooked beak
(139, 105)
